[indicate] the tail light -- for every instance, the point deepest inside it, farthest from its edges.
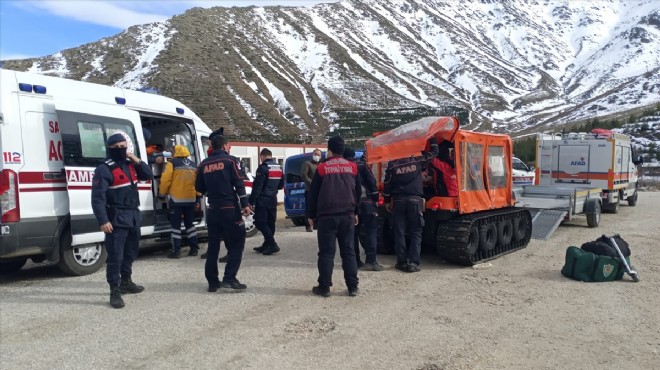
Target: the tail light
(381, 201)
(9, 196)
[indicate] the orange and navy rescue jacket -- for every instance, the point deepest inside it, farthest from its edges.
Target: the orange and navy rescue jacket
(178, 179)
(115, 196)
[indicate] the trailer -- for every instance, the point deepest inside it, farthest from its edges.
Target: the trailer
(551, 205)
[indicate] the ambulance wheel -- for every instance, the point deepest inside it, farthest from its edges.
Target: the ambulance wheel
(12, 266)
(81, 259)
(593, 219)
(632, 200)
(299, 221)
(487, 237)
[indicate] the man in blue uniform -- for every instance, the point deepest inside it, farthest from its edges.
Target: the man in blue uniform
(220, 178)
(368, 214)
(267, 183)
(403, 183)
(333, 209)
(115, 202)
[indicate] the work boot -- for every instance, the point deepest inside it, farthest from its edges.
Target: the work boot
(271, 249)
(353, 291)
(203, 256)
(261, 248)
(235, 285)
(193, 252)
(322, 291)
(413, 268)
(359, 263)
(174, 255)
(128, 286)
(372, 267)
(401, 267)
(223, 259)
(213, 287)
(115, 297)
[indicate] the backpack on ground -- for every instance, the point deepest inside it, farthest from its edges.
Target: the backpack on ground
(596, 261)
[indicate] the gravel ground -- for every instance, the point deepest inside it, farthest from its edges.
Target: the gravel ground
(516, 312)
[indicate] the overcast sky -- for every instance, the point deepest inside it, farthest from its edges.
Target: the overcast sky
(42, 27)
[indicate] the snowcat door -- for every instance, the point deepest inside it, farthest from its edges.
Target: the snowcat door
(85, 128)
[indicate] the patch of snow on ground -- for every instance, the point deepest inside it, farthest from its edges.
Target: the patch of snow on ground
(252, 112)
(59, 66)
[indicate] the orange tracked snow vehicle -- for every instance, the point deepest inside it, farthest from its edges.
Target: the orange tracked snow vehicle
(479, 224)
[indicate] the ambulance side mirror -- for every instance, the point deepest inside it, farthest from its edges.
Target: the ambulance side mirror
(639, 160)
(531, 168)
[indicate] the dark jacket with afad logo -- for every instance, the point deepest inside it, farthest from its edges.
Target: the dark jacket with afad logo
(403, 177)
(220, 178)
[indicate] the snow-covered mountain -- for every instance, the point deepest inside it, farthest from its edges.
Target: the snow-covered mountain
(515, 65)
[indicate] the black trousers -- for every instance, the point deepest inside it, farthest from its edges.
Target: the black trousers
(408, 218)
(265, 215)
(368, 226)
(333, 229)
(224, 223)
(122, 246)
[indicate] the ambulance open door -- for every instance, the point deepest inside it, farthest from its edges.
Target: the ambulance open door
(85, 128)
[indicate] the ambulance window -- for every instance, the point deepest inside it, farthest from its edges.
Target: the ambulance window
(113, 128)
(497, 169)
(92, 140)
(473, 166)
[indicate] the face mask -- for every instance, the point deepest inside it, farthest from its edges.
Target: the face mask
(316, 158)
(117, 154)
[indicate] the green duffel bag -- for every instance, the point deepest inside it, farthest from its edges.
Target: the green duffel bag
(586, 266)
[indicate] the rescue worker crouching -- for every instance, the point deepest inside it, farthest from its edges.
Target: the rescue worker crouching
(178, 181)
(263, 199)
(368, 214)
(403, 185)
(115, 202)
(221, 180)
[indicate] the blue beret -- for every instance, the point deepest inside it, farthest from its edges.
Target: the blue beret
(115, 138)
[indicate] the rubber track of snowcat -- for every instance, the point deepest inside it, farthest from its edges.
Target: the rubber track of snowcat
(453, 236)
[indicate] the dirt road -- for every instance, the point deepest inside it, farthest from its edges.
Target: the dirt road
(519, 313)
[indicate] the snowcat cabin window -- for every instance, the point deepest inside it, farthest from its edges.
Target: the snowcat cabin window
(472, 175)
(497, 169)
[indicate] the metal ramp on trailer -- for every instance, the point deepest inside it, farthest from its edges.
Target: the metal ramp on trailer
(546, 221)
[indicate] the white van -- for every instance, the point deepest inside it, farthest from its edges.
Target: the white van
(521, 173)
(52, 136)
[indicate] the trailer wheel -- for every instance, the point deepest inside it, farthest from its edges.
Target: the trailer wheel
(504, 232)
(593, 219)
(12, 266)
(80, 260)
(520, 228)
(632, 200)
(299, 221)
(487, 237)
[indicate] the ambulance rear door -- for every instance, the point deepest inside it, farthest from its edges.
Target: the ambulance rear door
(85, 128)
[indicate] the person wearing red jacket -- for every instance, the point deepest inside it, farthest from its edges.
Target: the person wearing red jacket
(445, 182)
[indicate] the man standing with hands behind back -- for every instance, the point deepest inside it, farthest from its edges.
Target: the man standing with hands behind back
(332, 207)
(307, 174)
(115, 201)
(220, 178)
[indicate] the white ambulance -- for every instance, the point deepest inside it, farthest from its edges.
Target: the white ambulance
(604, 159)
(52, 137)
